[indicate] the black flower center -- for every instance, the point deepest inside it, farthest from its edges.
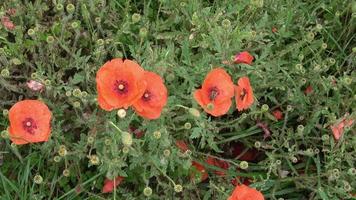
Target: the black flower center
(147, 96)
(121, 87)
(213, 93)
(243, 93)
(29, 125)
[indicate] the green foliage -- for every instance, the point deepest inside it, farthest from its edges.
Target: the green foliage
(63, 46)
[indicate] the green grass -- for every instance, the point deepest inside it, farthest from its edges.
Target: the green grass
(182, 41)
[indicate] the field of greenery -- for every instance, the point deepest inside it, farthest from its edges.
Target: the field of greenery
(176, 99)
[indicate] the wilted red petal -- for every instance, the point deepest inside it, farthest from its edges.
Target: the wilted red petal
(35, 86)
(109, 185)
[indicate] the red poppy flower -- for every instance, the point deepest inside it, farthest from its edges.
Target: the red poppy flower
(244, 57)
(238, 150)
(109, 185)
(29, 122)
(138, 133)
(243, 192)
(153, 99)
(216, 92)
(202, 173)
(119, 84)
(338, 129)
(308, 90)
(243, 94)
(7, 23)
(182, 146)
(218, 163)
(277, 114)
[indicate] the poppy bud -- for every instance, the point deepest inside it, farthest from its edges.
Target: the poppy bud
(31, 32)
(143, 32)
(107, 141)
(147, 191)
(265, 108)
(68, 93)
(136, 17)
(157, 134)
(70, 8)
(324, 46)
(5, 73)
(59, 7)
(258, 144)
(94, 160)
(50, 39)
(121, 113)
(243, 165)
(167, 152)
(278, 162)
(5, 112)
(325, 137)
(194, 112)
(187, 125)
(170, 77)
(125, 150)
(62, 152)
(300, 129)
(75, 25)
(66, 172)
(97, 20)
(126, 139)
(76, 104)
(38, 179)
(294, 159)
(354, 50)
(352, 171)
(310, 36)
(5, 134)
(178, 188)
(57, 159)
(90, 140)
(347, 80)
(319, 27)
(289, 108)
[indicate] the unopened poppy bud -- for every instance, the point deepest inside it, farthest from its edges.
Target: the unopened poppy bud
(147, 191)
(62, 152)
(258, 144)
(354, 50)
(75, 25)
(76, 92)
(5, 73)
(13, 145)
(178, 188)
(243, 165)
(100, 42)
(76, 104)
(300, 128)
(294, 159)
(143, 32)
(125, 150)
(38, 179)
(97, 20)
(210, 106)
(66, 172)
(136, 17)
(47, 82)
(50, 39)
(195, 112)
(57, 159)
(34, 75)
(107, 141)
(68, 93)
(167, 152)
(278, 162)
(347, 80)
(337, 14)
(70, 8)
(157, 134)
(170, 77)
(5, 112)
(325, 137)
(187, 125)
(126, 139)
(121, 113)
(94, 160)
(226, 23)
(182, 4)
(90, 140)
(59, 7)
(289, 108)
(310, 36)
(299, 67)
(332, 61)
(31, 32)
(352, 171)
(319, 27)
(265, 108)
(5, 134)
(324, 46)
(301, 57)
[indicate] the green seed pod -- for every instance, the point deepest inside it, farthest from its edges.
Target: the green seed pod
(121, 113)
(265, 108)
(324, 46)
(34, 75)
(59, 7)
(226, 23)
(97, 20)
(300, 128)
(125, 150)
(76, 104)
(194, 112)
(66, 172)
(75, 25)
(90, 140)
(47, 82)
(100, 42)
(166, 152)
(31, 32)
(143, 32)
(157, 134)
(258, 144)
(5, 112)
(50, 39)
(77, 92)
(57, 159)
(16, 61)
(5, 73)
(94, 160)
(170, 77)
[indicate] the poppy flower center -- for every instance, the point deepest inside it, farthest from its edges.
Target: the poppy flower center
(147, 96)
(243, 94)
(213, 93)
(121, 87)
(29, 125)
